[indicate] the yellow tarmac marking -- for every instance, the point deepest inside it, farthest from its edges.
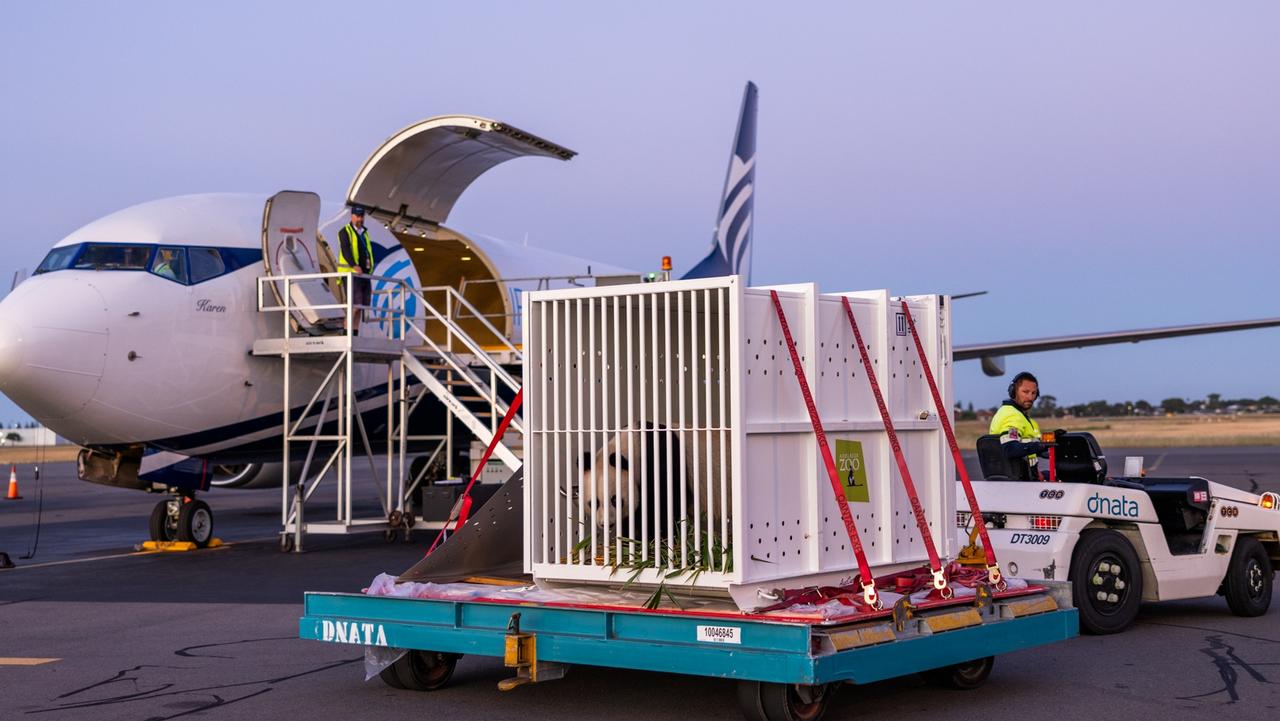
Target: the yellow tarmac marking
(26, 661)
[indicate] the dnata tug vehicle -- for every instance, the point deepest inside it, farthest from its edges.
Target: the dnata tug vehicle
(1122, 541)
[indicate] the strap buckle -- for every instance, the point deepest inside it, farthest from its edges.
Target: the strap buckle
(940, 584)
(870, 597)
(996, 578)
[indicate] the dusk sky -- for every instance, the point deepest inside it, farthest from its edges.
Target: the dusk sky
(1095, 166)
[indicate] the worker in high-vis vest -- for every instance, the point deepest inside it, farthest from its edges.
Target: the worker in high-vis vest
(355, 255)
(1018, 431)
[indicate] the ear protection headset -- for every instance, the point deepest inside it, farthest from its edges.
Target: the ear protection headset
(1013, 385)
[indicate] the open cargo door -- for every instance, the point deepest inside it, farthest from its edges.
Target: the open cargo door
(289, 247)
(416, 176)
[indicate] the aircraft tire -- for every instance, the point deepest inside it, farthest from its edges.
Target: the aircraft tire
(1106, 581)
(195, 523)
(1249, 578)
(160, 526)
(965, 676)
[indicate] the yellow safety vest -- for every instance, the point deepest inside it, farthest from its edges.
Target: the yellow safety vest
(1011, 424)
(354, 236)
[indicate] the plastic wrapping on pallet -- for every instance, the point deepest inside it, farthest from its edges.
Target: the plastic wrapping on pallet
(839, 608)
(378, 658)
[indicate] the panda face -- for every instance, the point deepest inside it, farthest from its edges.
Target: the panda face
(607, 485)
(613, 478)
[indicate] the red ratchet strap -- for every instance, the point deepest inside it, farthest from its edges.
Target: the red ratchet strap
(869, 595)
(935, 565)
(464, 509)
(993, 567)
(815, 595)
(913, 581)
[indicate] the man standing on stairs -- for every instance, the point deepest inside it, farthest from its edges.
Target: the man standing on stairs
(355, 255)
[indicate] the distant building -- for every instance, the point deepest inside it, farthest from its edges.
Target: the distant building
(36, 436)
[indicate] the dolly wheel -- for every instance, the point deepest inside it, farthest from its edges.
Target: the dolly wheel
(390, 677)
(425, 670)
(962, 676)
(764, 701)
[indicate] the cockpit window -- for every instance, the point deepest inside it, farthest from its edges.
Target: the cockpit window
(58, 259)
(171, 263)
(102, 256)
(206, 263)
(180, 264)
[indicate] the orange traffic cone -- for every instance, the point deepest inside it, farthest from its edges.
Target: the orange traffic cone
(13, 483)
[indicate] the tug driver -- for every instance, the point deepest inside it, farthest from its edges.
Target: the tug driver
(1019, 433)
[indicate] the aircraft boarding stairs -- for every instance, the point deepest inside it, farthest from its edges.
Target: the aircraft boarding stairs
(347, 396)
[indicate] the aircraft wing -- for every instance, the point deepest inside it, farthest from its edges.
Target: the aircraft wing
(992, 354)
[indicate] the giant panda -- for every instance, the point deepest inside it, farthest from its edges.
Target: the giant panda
(607, 478)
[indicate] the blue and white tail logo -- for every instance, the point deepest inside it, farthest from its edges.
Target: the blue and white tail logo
(731, 252)
(395, 264)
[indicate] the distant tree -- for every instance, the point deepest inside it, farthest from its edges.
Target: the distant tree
(1266, 401)
(1174, 405)
(1214, 402)
(1142, 407)
(1047, 405)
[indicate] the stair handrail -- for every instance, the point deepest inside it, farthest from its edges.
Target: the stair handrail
(462, 300)
(470, 343)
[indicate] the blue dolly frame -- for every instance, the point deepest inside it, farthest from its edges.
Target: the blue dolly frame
(783, 665)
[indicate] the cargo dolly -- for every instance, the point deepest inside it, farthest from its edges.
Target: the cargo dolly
(785, 668)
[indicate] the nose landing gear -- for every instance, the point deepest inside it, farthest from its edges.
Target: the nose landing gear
(182, 518)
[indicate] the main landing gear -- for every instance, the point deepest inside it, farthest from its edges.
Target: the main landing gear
(182, 518)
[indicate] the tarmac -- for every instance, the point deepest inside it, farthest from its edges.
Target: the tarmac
(91, 629)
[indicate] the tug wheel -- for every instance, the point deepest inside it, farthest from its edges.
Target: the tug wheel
(962, 676)
(164, 525)
(1249, 579)
(424, 670)
(765, 701)
(1106, 581)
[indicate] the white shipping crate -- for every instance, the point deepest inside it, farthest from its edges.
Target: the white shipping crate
(667, 438)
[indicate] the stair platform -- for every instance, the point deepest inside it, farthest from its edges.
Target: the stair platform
(365, 350)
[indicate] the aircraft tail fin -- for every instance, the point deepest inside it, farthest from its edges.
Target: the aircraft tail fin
(731, 248)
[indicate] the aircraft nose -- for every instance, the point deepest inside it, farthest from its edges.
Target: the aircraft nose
(10, 348)
(53, 345)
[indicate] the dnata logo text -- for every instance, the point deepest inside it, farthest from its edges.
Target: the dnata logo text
(1113, 506)
(369, 634)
